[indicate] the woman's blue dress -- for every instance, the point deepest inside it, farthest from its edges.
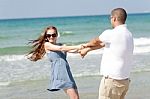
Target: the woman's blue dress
(61, 76)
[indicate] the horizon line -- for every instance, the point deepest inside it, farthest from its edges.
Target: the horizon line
(66, 16)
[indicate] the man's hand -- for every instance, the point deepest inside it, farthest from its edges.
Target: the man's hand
(83, 52)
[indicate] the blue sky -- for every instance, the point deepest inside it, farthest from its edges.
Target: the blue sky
(51, 8)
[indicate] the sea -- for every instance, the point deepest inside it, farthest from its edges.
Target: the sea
(16, 33)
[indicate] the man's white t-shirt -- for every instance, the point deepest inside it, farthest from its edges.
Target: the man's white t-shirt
(118, 52)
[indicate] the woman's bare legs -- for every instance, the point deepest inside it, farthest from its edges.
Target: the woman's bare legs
(72, 93)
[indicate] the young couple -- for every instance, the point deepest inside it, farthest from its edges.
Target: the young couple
(115, 65)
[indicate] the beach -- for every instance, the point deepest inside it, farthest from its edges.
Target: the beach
(87, 86)
(21, 78)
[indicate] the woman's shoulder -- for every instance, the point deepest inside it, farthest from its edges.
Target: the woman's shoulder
(47, 45)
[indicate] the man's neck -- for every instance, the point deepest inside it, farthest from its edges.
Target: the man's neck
(117, 24)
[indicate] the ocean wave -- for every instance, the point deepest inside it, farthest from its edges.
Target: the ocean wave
(141, 70)
(30, 77)
(137, 50)
(142, 45)
(3, 37)
(141, 49)
(12, 57)
(13, 50)
(141, 41)
(87, 74)
(23, 56)
(5, 83)
(66, 33)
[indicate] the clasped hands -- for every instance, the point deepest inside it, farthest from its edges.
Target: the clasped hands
(83, 50)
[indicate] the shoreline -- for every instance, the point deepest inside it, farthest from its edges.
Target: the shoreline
(87, 87)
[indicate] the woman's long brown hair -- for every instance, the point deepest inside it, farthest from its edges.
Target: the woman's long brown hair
(38, 50)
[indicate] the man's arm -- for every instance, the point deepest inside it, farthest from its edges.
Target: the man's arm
(94, 42)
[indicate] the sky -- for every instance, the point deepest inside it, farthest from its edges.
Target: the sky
(10, 9)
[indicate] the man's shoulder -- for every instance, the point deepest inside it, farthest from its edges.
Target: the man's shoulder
(108, 30)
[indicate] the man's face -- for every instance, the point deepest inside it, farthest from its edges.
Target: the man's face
(112, 21)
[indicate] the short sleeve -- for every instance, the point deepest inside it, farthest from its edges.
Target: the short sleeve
(105, 36)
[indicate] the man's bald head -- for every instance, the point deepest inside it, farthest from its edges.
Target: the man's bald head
(120, 14)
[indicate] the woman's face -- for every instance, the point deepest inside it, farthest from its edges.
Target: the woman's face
(51, 35)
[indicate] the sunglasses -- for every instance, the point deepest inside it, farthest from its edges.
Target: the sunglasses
(49, 35)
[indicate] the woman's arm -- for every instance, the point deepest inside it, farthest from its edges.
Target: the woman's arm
(52, 47)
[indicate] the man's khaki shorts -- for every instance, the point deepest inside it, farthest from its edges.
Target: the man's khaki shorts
(113, 89)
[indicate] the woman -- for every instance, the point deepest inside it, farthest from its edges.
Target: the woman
(61, 76)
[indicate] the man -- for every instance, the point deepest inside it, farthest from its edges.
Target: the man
(117, 57)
